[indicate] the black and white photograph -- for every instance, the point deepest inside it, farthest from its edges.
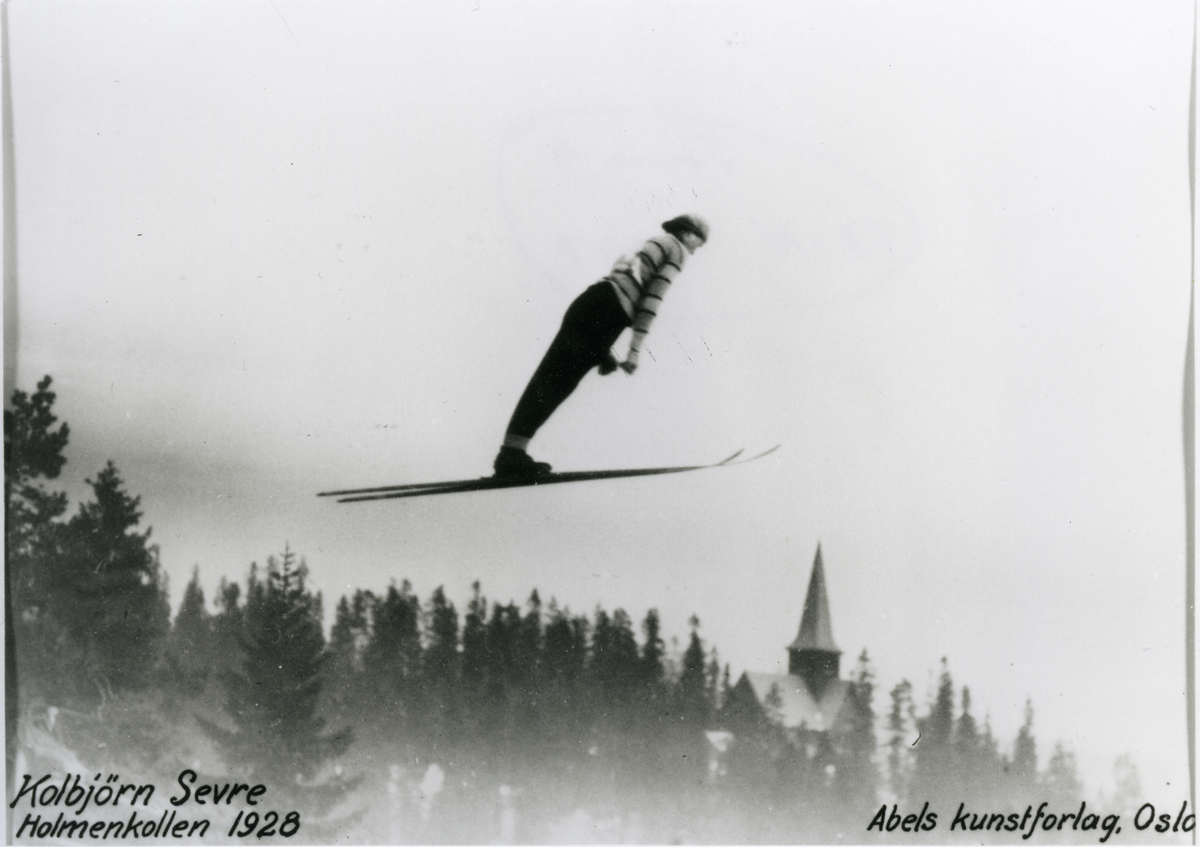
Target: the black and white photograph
(664, 422)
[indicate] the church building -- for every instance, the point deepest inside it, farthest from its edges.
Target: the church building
(810, 696)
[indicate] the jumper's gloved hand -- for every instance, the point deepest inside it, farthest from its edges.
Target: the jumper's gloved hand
(629, 366)
(608, 364)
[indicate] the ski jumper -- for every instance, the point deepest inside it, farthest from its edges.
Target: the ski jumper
(629, 296)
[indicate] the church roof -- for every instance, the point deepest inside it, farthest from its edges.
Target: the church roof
(796, 705)
(816, 632)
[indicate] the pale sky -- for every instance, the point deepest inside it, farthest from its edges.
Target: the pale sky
(271, 248)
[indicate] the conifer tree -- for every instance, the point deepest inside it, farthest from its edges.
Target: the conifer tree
(900, 725)
(227, 625)
(344, 645)
(726, 687)
(477, 718)
(615, 656)
(359, 627)
(933, 752)
(529, 642)
(564, 653)
(33, 452)
(392, 657)
(650, 667)
(474, 639)
(528, 677)
(440, 677)
(969, 759)
(278, 736)
(344, 673)
(503, 634)
(1024, 760)
(989, 764)
(565, 644)
(939, 724)
(613, 674)
(651, 696)
(190, 644)
(1061, 783)
(712, 676)
(1128, 795)
(856, 775)
(441, 655)
(760, 745)
(693, 691)
(114, 599)
(966, 732)
(598, 664)
(693, 710)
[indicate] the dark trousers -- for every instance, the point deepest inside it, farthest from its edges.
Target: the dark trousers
(589, 328)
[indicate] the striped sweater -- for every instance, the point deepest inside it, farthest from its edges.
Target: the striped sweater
(641, 279)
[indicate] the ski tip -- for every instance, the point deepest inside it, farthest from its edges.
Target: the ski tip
(729, 459)
(747, 459)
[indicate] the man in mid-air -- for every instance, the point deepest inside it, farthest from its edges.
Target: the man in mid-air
(629, 296)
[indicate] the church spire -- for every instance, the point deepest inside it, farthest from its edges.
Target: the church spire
(813, 656)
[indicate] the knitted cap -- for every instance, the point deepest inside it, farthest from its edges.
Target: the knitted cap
(687, 223)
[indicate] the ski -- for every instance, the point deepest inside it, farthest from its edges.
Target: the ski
(488, 483)
(515, 480)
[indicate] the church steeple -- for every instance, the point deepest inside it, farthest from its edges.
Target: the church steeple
(813, 656)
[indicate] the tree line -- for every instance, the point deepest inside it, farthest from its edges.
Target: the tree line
(413, 721)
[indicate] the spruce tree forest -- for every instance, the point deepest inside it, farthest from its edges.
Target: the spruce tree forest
(402, 719)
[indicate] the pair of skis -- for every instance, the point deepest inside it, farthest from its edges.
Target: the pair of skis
(487, 483)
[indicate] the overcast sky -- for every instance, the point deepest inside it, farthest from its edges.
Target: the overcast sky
(271, 248)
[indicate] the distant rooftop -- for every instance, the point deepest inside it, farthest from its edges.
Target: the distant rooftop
(797, 706)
